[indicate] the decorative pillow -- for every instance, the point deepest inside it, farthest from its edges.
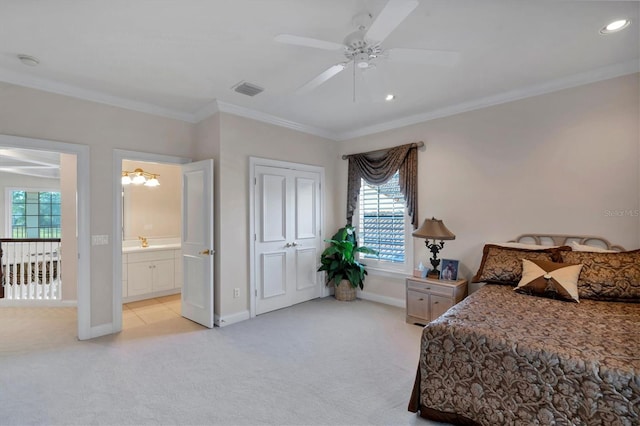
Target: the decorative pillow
(607, 276)
(503, 265)
(549, 279)
(582, 247)
(527, 246)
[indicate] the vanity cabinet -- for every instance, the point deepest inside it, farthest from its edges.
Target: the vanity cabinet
(151, 273)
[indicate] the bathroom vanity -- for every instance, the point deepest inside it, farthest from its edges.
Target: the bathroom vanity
(151, 271)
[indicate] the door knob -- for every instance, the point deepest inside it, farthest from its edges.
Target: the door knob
(294, 244)
(207, 251)
(288, 245)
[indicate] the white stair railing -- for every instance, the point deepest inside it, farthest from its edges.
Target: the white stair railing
(30, 269)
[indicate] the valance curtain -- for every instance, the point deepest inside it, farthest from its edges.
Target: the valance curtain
(378, 167)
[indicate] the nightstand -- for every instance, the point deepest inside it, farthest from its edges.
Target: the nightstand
(428, 298)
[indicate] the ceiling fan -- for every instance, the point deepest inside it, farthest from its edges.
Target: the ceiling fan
(363, 47)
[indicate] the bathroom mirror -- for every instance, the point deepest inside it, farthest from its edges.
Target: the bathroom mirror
(152, 211)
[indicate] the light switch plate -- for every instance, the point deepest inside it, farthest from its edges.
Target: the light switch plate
(99, 240)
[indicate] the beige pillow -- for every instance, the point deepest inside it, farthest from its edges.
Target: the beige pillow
(549, 279)
(525, 246)
(575, 246)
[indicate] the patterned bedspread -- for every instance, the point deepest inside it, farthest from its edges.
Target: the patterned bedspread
(500, 357)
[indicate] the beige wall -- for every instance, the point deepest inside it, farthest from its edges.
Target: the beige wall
(552, 163)
(36, 114)
(240, 139)
(153, 212)
(556, 163)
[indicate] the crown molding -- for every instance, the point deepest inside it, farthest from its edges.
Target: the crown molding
(575, 80)
(51, 86)
(272, 119)
(215, 106)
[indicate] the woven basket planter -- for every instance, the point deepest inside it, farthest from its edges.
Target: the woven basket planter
(345, 291)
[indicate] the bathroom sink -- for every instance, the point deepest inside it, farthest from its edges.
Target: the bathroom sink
(152, 247)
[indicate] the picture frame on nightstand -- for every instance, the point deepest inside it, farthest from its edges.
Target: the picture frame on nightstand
(449, 270)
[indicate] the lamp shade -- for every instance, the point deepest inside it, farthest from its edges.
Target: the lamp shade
(433, 228)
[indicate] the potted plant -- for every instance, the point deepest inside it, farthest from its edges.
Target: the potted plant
(341, 265)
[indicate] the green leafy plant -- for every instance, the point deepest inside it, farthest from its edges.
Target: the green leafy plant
(339, 259)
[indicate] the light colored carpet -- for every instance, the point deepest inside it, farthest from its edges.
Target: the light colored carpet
(322, 362)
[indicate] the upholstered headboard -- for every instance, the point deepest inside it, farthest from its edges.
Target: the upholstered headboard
(561, 240)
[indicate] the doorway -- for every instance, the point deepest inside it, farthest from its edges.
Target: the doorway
(196, 239)
(286, 225)
(145, 278)
(81, 171)
(151, 244)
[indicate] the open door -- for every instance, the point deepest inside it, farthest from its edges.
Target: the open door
(197, 242)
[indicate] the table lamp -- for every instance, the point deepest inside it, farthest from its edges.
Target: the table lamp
(434, 229)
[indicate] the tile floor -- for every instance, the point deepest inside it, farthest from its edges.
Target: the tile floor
(150, 311)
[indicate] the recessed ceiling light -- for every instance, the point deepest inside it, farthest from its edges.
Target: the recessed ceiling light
(390, 97)
(615, 26)
(29, 60)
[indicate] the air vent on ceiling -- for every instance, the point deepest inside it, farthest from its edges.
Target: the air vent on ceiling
(247, 88)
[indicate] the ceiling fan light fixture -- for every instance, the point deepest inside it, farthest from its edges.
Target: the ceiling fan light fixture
(362, 60)
(615, 26)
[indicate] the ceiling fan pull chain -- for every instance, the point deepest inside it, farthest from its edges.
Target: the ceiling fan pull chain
(354, 81)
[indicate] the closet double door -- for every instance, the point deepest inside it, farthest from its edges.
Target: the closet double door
(287, 237)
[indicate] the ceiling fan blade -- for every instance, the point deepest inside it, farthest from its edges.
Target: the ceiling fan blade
(394, 12)
(321, 78)
(422, 56)
(308, 42)
(375, 83)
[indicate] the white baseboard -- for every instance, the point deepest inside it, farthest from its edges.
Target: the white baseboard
(223, 321)
(400, 303)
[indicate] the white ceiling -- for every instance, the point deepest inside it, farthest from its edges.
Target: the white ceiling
(28, 162)
(180, 58)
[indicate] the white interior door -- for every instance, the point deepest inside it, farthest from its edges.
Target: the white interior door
(287, 240)
(197, 242)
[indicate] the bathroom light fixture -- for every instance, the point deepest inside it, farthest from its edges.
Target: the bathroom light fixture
(615, 26)
(139, 176)
(390, 97)
(29, 60)
(152, 182)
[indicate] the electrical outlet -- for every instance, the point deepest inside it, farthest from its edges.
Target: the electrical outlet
(236, 292)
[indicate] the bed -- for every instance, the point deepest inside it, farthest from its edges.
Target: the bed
(506, 357)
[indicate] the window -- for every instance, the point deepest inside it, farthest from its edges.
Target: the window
(35, 214)
(382, 223)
